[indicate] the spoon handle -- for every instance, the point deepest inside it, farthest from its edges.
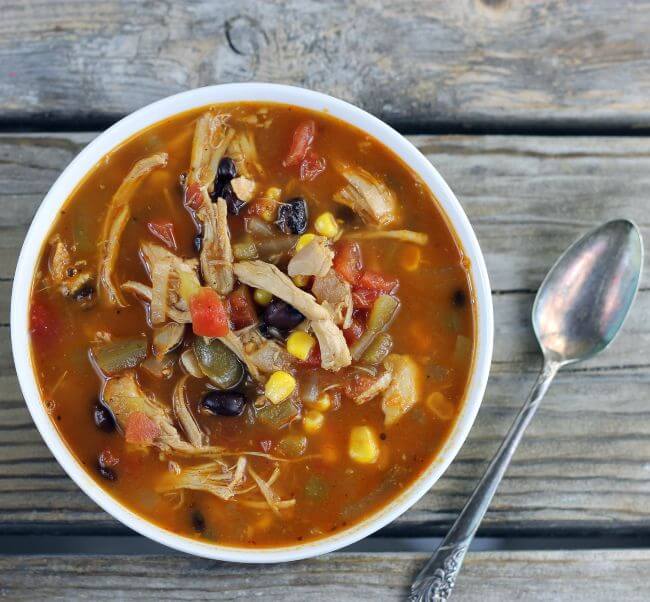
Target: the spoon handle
(436, 580)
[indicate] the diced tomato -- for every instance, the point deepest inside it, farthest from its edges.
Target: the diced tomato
(140, 429)
(348, 262)
(311, 166)
(303, 136)
(209, 317)
(107, 459)
(378, 282)
(355, 330)
(313, 359)
(43, 322)
(193, 196)
(163, 231)
(363, 298)
(241, 308)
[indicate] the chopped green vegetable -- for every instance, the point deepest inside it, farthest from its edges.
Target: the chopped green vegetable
(383, 311)
(379, 349)
(218, 363)
(278, 415)
(293, 446)
(119, 355)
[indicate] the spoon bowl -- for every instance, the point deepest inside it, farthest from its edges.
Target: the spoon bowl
(587, 294)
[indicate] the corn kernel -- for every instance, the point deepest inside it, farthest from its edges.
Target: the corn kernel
(326, 225)
(189, 285)
(279, 386)
(322, 404)
(364, 447)
(273, 193)
(300, 281)
(410, 257)
(304, 240)
(312, 421)
(300, 344)
(262, 297)
(439, 405)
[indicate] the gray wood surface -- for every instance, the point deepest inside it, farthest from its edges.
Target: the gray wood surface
(581, 576)
(583, 465)
(486, 63)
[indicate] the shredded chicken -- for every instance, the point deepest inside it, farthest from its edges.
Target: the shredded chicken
(334, 350)
(166, 338)
(216, 250)
(117, 217)
(335, 295)
(146, 294)
(244, 188)
(266, 355)
(214, 477)
(417, 238)
(211, 138)
(380, 385)
(243, 152)
(314, 259)
(184, 416)
(231, 340)
(404, 389)
(367, 196)
(70, 277)
(124, 397)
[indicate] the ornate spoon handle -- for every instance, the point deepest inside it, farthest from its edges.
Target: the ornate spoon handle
(436, 580)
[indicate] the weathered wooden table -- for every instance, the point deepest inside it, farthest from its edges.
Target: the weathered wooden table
(538, 115)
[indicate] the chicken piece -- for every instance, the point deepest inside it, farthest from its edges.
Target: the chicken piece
(381, 384)
(267, 355)
(367, 196)
(184, 417)
(243, 152)
(146, 294)
(232, 341)
(117, 216)
(71, 278)
(124, 397)
(216, 250)
(314, 259)
(211, 138)
(268, 277)
(334, 350)
(404, 389)
(159, 260)
(244, 188)
(335, 295)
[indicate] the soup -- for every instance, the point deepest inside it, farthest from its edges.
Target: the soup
(252, 325)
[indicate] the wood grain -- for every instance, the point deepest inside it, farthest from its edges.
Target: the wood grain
(485, 63)
(581, 576)
(582, 465)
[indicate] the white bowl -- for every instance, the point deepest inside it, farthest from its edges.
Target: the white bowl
(127, 127)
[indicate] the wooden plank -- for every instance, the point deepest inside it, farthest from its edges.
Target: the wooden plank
(579, 576)
(582, 465)
(467, 62)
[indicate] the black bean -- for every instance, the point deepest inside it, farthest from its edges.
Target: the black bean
(293, 216)
(281, 315)
(198, 242)
(227, 169)
(85, 296)
(269, 332)
(459, 298)
(232, 200)
(198, 521)
(103, 418)
(224, 403)
(107, 473)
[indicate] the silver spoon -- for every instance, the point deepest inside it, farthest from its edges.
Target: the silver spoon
(578, 311)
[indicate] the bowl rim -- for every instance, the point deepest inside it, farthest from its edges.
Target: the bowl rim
(213, 95)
